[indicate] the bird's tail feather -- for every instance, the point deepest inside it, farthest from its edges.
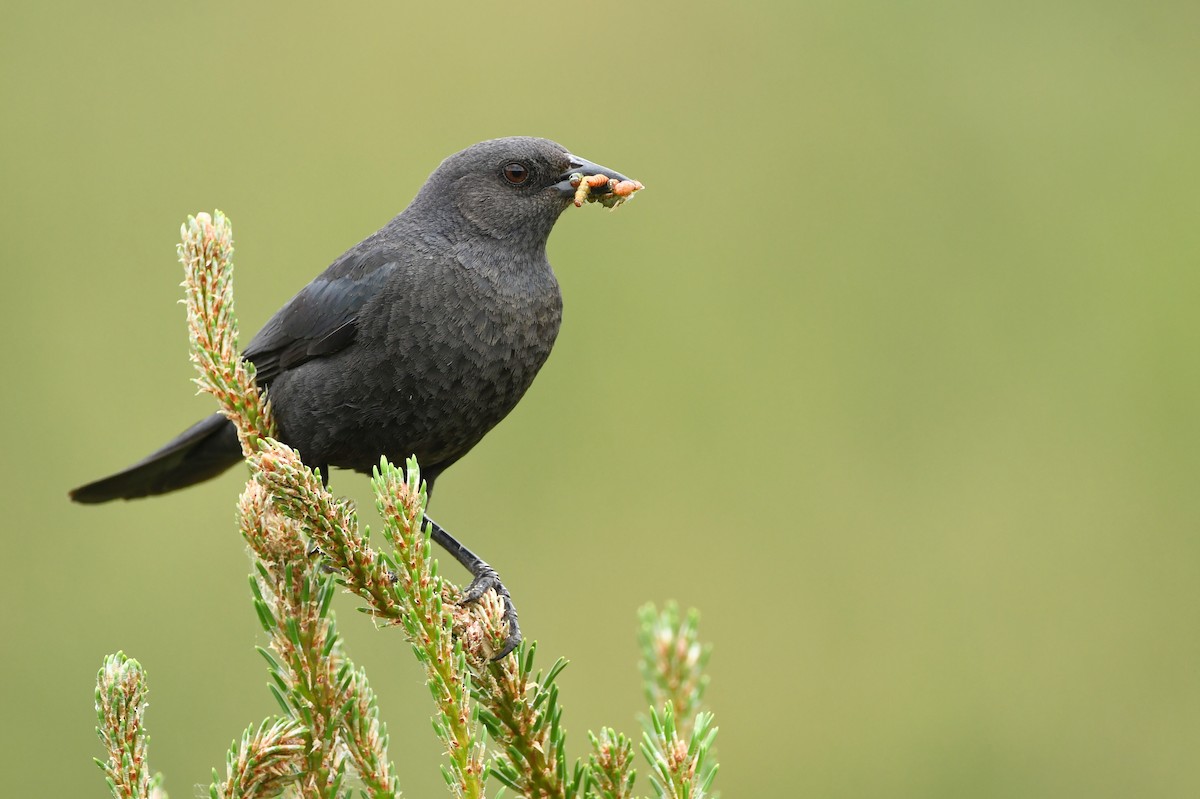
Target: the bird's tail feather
(204, 450)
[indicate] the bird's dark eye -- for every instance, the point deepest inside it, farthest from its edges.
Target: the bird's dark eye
(515, 173)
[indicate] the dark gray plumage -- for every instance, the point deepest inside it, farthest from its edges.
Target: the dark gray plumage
(418, 340)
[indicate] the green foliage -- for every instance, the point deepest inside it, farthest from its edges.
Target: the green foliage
(120, 704)
(304, 544)
(264, 762)
(610, 765)
(673, 660)
(521, 713)
(681, 769)
(678, 741)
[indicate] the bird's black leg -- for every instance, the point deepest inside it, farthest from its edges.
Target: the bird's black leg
(485, 578)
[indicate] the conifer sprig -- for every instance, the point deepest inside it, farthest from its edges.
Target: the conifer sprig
(120, 710)
(673, 661)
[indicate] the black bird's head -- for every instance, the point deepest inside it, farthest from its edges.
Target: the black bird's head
(511, 189)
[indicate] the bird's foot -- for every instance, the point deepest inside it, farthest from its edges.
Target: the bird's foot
(486, 579)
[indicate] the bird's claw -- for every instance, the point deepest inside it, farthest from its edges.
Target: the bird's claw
(486, 579)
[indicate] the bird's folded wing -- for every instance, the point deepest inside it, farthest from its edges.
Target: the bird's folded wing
(323, 318)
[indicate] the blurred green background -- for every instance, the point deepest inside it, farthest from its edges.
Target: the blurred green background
(892, 371)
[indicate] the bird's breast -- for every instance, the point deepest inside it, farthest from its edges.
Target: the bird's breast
(465, 354)
(438, 360)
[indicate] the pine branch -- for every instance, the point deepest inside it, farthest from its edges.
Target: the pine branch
(120, 707)
(206, 252)
(292, 594)
(677, 741)
(680, 768)
(265, 762)
(611, 765)
(673, 661)
(292, 599)
(427, 617)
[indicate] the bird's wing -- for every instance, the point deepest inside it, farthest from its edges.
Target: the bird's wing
(323, 318)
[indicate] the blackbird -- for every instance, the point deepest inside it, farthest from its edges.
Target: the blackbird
(416, 341)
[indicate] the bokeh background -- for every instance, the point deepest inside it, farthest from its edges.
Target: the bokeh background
(892, 371)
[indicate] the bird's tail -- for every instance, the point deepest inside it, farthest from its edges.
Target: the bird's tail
(204, 450)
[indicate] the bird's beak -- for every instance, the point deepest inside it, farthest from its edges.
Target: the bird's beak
(582, 166)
